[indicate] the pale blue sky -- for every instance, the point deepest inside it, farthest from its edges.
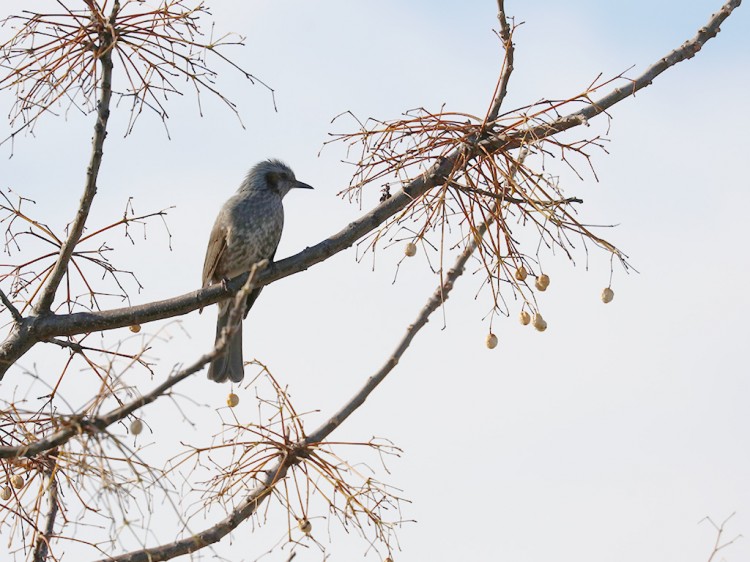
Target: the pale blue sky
(609, 436)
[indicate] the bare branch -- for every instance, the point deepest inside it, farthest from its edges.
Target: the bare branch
(92, 173)
(506, 35)
(11, 308)
(100, 423)
(41, 549)
(718, 544)
(686, 51)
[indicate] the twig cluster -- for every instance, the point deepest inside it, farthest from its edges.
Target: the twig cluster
(51, 59)
(527, 206)
(246, 453)
(91, 275)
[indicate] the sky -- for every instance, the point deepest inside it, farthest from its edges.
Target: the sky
(613, 434)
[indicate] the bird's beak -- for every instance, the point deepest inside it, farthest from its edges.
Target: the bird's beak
(302, 185)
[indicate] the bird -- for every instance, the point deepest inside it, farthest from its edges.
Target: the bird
(247, 230)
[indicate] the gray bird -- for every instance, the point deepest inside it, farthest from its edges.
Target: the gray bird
(247, 230)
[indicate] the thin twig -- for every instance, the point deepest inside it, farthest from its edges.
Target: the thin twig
(516, 201)
(718, 545)
(684, 52)
(438, 298)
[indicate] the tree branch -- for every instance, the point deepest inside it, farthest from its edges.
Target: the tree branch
(438, 298)
(107, 40)
(98, 424)
(686, 51)
(41, 549)
(216, 532)
(11, 308)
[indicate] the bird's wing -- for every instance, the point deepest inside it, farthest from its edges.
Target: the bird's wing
(217, 244)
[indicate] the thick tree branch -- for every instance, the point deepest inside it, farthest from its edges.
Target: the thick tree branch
(107, 40)
(34, 329)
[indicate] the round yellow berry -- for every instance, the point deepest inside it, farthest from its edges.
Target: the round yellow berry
(524, 318)
(5, 493)
(491, 341)
(135, 328)
(16, 481)
(542, 282)
(305, 526)
(540, 323)
(607, 295)
(232, 400)
(521, 273)
(136, 427)
(411, 249)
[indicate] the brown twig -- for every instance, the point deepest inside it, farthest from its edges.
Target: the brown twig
(718, 544)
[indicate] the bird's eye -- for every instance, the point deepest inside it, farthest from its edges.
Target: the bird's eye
(272, 179)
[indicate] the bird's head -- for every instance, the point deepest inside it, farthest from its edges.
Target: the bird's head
(272, 175)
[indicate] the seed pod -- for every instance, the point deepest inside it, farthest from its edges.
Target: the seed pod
(542, 282)
(491, 341)
(521, 273)
(136, 427)
(411, 249)
(232, 400)
(607, 295)
(524, 318)
(5, 493)
(16, 481)
(305, 526)
(540, 323)
(135, 328)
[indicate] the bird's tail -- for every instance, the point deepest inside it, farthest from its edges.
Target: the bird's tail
(229, 365)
